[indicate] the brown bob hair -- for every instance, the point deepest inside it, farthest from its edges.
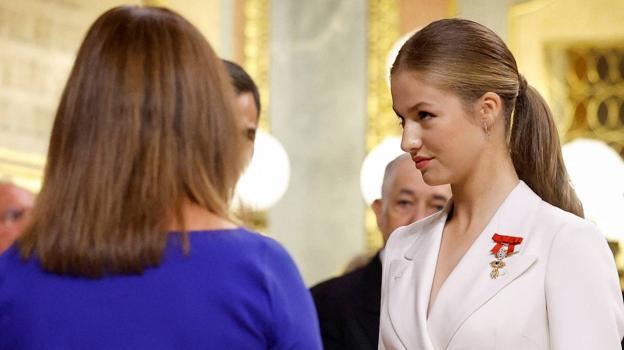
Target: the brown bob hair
(146, 123)
(468, 59)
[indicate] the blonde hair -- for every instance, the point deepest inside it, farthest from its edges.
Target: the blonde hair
(468, 59)
(145, 123)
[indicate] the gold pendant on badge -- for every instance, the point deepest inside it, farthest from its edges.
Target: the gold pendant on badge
(504, 248)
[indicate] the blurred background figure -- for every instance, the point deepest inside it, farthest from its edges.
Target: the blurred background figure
(15, 206)
(248, 101)
(348, 306)
(131, 243)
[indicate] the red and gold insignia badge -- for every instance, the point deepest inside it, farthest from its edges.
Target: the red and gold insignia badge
(504, 247)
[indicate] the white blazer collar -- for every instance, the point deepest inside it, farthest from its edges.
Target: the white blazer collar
(411, 277)
(410, 283)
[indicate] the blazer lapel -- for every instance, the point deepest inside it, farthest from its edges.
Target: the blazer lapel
(410, 285)
(469, 286)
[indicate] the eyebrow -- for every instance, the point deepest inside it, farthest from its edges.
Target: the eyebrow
(406, 191)
(439, 197)
(434, 197)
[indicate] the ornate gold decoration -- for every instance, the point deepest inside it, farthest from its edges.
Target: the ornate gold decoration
(383, 31)
(256, 51)
(587, 85)
(496, 265)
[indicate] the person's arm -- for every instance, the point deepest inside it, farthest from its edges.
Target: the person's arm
(294, 321)
(583, 297)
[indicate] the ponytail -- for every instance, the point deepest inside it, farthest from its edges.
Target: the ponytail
(536, 151)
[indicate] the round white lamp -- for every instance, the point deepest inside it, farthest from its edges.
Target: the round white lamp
(374, 165)
(265, 180)
(597, 173)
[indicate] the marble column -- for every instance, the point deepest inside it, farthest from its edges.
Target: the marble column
(318, 80)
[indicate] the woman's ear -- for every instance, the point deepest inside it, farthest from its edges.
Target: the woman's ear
(489, 110)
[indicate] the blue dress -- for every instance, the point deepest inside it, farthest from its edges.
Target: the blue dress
(235, 290)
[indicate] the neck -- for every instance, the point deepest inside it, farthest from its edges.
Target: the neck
(476, 198)
(197, 218)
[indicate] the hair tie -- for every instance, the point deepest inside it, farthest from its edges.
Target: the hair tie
(522, 85)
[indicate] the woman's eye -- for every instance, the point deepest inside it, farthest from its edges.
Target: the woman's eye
(424, 115)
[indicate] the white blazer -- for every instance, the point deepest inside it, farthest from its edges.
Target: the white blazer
(559, 291)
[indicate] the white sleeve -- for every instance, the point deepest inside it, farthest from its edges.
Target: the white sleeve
(583, 296)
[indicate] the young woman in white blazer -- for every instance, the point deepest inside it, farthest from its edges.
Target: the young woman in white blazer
(510, 263)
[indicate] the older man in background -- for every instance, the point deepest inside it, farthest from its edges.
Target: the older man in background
(348, 306)
(15, 205)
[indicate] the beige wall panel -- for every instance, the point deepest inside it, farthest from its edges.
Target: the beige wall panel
(38, 42)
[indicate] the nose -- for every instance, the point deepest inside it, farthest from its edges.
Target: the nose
(420, 212)
(411, 140)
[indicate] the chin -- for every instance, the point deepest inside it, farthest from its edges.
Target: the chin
(433, 179)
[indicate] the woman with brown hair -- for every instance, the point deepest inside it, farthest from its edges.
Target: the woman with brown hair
(510, 263)
(131, 243)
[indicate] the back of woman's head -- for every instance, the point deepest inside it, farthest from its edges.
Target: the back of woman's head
(468, 59)
(145, 123)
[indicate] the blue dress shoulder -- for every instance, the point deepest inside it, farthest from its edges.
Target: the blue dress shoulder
(235, 290)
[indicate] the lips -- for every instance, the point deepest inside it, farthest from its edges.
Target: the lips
(421, 162)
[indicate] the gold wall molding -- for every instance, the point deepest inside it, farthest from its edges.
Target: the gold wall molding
(383, 31)
(252, 50)
(256, 51)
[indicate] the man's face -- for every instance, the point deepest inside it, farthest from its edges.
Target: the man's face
(406, 198)
(249, 115)
(15, 206)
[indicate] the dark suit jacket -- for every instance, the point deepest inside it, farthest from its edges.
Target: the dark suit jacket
(348, 308)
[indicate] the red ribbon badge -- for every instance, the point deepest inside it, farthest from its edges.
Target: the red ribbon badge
(501, 240)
